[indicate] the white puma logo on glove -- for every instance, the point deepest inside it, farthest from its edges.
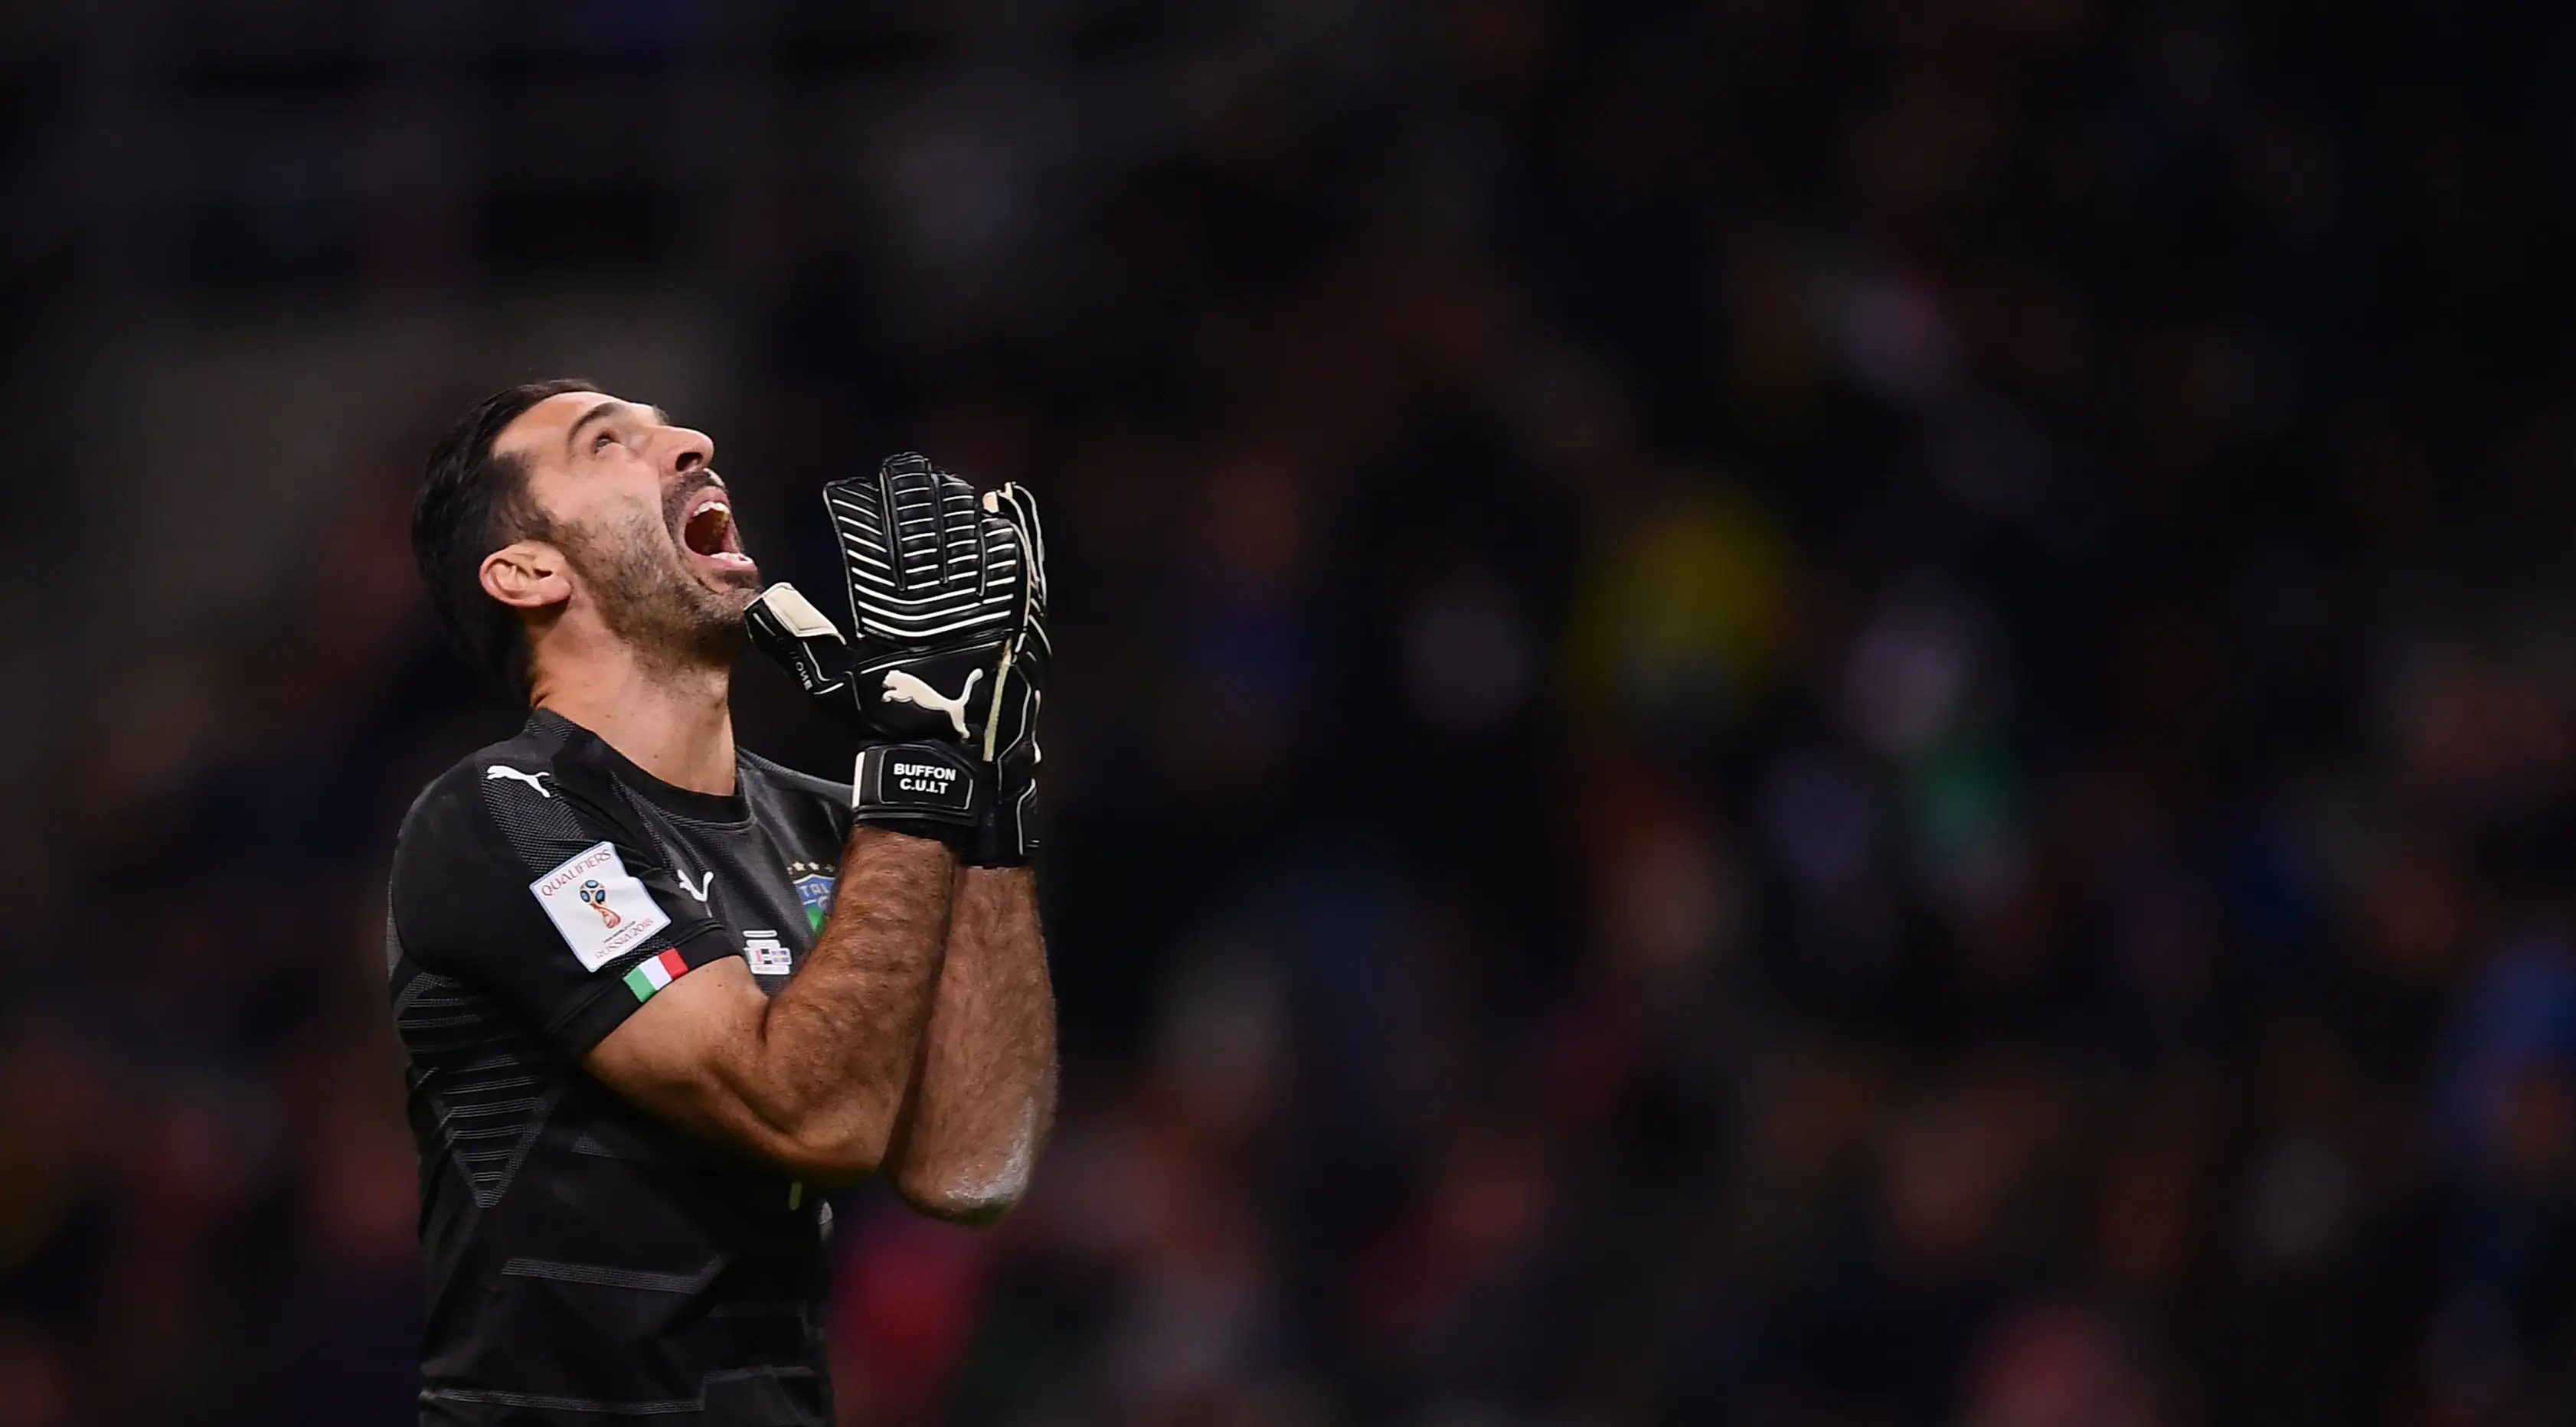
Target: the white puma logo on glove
(903, 688)
(497, 771)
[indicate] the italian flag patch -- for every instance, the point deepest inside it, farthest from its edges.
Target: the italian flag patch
(654, 973)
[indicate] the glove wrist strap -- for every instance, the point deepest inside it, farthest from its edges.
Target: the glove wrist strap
(925, 789)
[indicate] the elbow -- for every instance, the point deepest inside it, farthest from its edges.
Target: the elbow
(972, 1211)
(971, 1205)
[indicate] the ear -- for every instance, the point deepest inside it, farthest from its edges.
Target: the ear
(526, 574)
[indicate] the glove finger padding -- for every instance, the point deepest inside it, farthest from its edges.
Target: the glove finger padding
(1015, 503)
(925, 565)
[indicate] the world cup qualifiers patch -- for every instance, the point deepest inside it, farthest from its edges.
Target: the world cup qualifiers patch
(601, 910)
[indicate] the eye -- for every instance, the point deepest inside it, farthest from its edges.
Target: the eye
(600, 442)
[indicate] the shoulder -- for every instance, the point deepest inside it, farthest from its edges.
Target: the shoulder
(463, 801)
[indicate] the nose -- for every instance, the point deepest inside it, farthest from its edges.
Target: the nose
(689, 450)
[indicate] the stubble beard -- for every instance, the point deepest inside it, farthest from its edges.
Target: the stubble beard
(650, 600)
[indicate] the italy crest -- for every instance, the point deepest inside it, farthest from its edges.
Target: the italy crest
(815, 891)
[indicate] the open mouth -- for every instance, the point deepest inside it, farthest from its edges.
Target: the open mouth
(707, 531)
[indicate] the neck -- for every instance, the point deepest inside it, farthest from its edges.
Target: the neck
(674, 723)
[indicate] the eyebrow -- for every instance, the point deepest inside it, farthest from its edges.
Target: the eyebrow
(611, 407)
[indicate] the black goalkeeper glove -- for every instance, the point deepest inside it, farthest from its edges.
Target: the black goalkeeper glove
(939, 595)
(1007, 835)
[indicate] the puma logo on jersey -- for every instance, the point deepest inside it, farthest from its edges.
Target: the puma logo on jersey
(706, 884)
(903, 688)
(497, 771)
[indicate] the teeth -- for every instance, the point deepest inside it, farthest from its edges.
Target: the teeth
(721, 532)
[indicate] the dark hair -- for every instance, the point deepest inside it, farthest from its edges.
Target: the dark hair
(472, 502)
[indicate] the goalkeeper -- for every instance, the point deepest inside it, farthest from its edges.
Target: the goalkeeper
(655, 990)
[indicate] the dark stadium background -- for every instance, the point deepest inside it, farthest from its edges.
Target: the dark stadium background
(1769, 712)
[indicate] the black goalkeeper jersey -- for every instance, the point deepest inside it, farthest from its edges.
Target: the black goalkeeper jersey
(587, 1262)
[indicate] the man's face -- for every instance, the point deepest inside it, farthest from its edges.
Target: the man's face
(642, 518)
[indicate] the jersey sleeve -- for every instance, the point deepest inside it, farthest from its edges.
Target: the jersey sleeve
(535, 885)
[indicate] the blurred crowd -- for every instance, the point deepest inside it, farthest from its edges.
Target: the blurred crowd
(1770, 713)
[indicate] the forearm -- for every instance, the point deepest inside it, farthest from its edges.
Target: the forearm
(836, 1050)
(984, 1095)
